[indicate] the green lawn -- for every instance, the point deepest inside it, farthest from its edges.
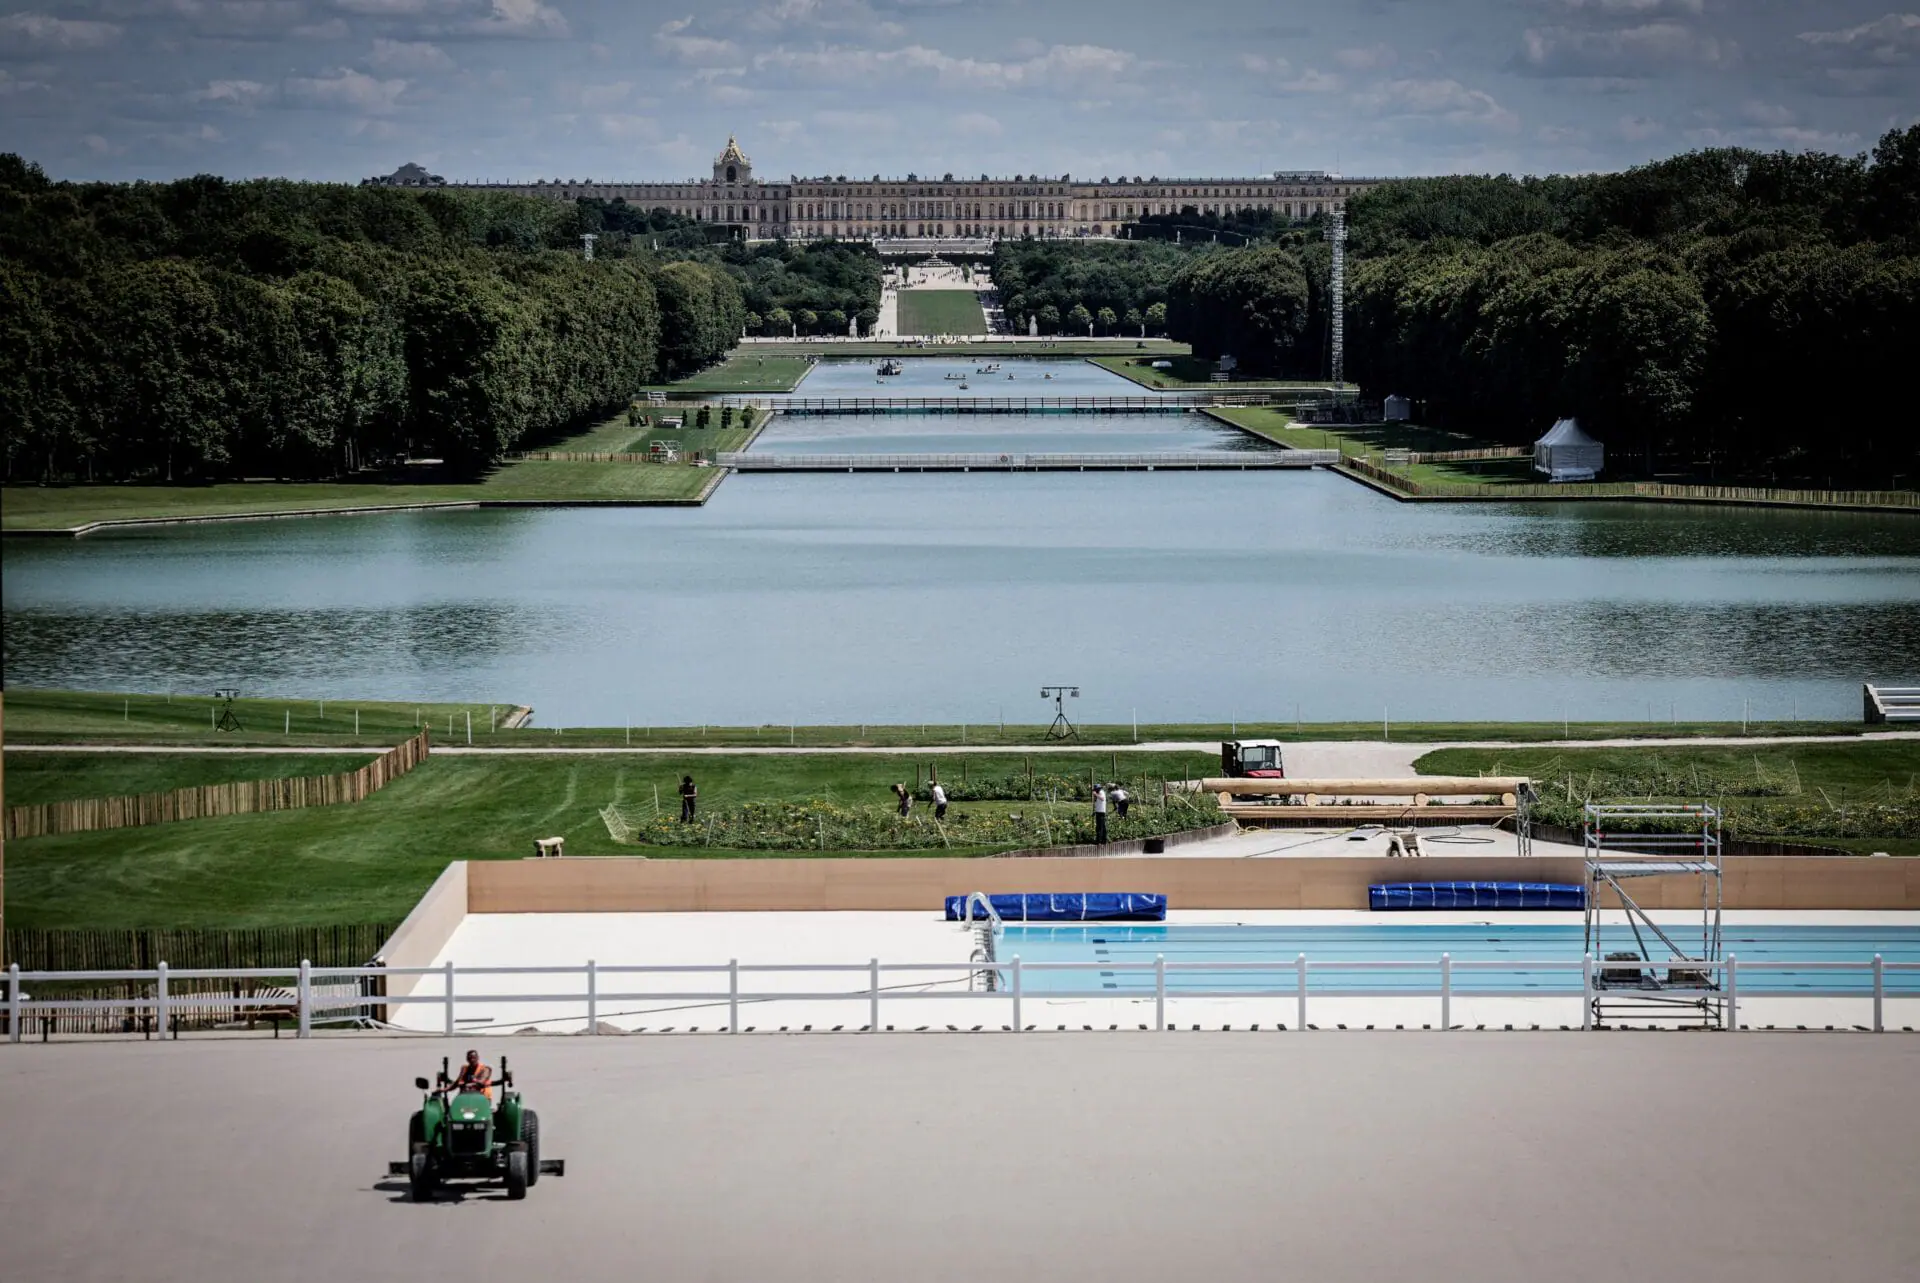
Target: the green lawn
(48, 717)
(745, 371)
(531, 481)
(60, 777)
(1368, 441)
(941, 312)
(1189, 374)
(183, 717)
(369, 861)
(1821, 777)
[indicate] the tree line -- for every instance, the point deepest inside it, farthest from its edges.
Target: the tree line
(1725, 313)
(203, 329)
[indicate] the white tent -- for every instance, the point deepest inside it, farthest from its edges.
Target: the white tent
(1568, 454)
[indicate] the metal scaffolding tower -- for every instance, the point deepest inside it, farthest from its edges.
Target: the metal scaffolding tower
(1665, 975)
(1337, 233)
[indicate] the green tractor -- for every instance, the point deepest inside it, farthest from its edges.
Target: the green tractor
(459, 1135)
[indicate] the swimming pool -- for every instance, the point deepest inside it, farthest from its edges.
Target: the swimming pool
(1422, 944)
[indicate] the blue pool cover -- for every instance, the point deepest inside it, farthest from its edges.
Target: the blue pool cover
(1089, 906)
(1476, 895)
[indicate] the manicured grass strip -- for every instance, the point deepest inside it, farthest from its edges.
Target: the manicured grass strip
(528, 481)
(1802, 788)
(34, 778)
(1863, 771)
(46, 717)
(370, 861)
(1189, 374)
(941, 312)
(188, 717)
(1278, 426)
(745, 371)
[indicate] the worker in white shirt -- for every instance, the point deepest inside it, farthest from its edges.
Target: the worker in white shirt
(939, 801)
(1100, 814)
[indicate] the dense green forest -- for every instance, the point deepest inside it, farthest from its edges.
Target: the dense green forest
(1725, 313)
(205, 329)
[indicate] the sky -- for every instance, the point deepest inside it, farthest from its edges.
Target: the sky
(599, 89)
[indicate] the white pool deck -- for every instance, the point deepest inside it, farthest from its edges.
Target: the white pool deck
(854, 939)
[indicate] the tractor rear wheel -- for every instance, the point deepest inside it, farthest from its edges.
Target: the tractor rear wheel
(420, 1174)
(530, 1133)
(516, 1173)
(416, 1130)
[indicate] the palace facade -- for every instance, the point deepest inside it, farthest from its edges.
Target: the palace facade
(914, 206)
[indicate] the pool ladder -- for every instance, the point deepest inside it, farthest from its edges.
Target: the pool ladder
(986, 931)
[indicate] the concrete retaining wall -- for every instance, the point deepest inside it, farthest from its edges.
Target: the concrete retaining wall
(418, 940)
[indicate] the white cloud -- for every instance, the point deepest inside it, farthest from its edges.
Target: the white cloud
(1635, 8)
(331, 29)
(240, 93)
(12, 84)
(43, 31)
(413, 56)
(624, 127)
(1311, 80)
(1057, 65)
(977, 124)
(594, 97)
(347, 88)
(1893, 40)
(1635, 128)
(1630, 51)
(673, 39)
(1446, 100)
(1369, 58)
(529, 18)
(1766, 113)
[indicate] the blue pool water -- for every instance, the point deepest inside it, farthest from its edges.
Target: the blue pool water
(1423, 943)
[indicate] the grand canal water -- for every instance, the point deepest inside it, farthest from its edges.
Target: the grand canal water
(949, 597)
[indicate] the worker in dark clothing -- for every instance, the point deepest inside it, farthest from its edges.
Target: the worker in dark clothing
(689, 796)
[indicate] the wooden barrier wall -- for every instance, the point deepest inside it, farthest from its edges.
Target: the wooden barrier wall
(237, 797)
(629, 886)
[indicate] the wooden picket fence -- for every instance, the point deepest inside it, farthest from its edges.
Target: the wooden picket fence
(1763, 495)
(205, 801)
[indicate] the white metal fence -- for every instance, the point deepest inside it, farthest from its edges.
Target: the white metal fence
(320, 993)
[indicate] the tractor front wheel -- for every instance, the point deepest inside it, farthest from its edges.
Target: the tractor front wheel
(530, 1133)
(420, 1175)
(516, 1173)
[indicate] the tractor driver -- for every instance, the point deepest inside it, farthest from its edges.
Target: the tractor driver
(474, 1076)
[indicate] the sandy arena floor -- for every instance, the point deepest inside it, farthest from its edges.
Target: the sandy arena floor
(1772, 1158)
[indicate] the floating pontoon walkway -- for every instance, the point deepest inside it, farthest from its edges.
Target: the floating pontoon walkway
(1162, 403)
(1191, 461)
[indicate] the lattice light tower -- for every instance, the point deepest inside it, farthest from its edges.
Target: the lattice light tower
(586, 244)
(1337, 233)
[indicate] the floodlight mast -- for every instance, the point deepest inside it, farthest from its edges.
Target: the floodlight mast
(586, 244)
(1062, 728)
